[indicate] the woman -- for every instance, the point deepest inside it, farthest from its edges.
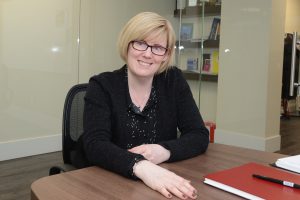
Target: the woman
(132, 114)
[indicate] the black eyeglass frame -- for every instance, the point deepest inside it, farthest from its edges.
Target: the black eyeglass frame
(151, 46)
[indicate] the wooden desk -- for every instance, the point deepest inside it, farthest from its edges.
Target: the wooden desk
(95, 183)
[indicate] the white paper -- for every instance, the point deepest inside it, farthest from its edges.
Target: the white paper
(231, 189)
(291, 163)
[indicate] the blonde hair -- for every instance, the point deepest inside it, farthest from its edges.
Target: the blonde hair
(142, 26)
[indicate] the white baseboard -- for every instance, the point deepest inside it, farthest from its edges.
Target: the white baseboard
(269, 144)
(30, 146)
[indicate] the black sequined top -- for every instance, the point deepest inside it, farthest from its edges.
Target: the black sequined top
(113, 124)
(142, 124)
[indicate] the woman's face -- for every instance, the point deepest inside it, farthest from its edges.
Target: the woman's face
(144, 64)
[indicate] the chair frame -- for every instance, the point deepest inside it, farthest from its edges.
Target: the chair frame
(67, 142)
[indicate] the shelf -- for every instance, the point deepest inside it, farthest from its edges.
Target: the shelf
(191, 75)
(196, 11)
(197, 44)
(211, 43)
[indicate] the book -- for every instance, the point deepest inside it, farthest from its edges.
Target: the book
(217, 35)
(239, 181)
(186, 31)
(214, 28)
(215, 62)
(206, 67)
(192, 64)
(291, 163)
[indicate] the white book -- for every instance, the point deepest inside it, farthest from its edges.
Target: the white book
(291, 163)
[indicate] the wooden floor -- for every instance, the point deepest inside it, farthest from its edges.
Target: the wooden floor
(290, 136)
(17, 175)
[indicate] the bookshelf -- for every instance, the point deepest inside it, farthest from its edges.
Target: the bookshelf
(196, 40)
(196, 11)
(197, 44)
(195, 75)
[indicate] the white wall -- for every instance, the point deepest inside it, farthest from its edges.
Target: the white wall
(40, 60)
(101, 22)
(38, 51)
(98, 38)
(251, 52)
(98, 51)
(208, 98)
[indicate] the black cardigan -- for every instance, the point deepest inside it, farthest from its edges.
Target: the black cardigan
(104, 140)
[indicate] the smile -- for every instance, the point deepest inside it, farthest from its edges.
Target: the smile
(144, 63)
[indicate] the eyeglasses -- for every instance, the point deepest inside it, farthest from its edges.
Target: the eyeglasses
(143, 46)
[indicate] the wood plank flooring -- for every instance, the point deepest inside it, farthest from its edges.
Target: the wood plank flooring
(17, 175)
(290, 136)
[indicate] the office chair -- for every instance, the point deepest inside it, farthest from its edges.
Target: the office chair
(72, 126)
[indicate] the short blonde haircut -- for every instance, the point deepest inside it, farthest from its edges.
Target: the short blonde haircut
(143, 25)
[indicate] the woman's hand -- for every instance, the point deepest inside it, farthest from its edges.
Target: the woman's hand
(164, 181)
(155, 153)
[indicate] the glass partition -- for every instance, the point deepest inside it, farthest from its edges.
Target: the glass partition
(198, 41)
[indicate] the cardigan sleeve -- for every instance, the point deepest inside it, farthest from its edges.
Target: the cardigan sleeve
(194, 136)
(98, 147)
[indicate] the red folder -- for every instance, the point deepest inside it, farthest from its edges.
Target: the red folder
(239, 181)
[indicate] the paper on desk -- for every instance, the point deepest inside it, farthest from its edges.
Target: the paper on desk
(291, 163)
(231, 189)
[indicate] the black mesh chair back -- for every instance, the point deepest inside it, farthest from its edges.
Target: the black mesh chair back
(73, 120)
